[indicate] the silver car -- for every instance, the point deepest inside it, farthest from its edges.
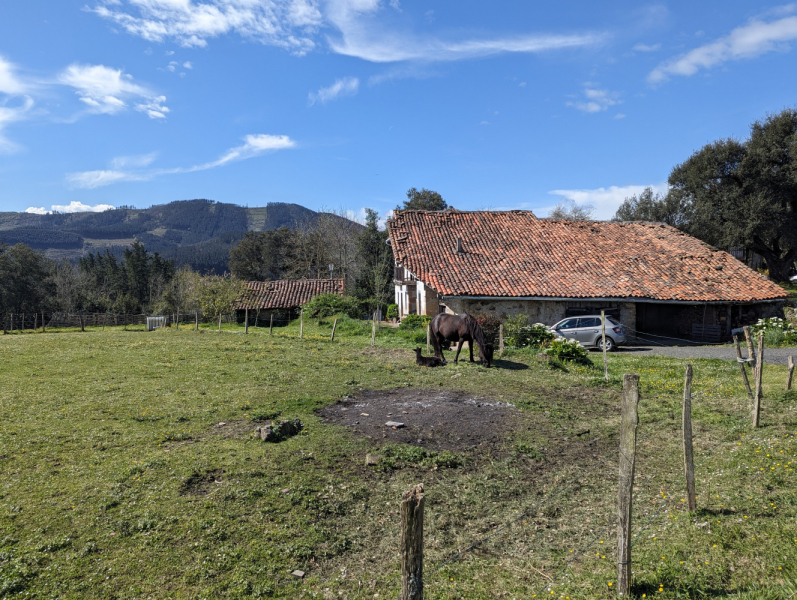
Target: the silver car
(587, 331)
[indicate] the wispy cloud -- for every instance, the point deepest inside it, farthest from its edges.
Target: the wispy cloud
(755, 38)
(288, 24)
(647, 48)
(347, 86)
(594, 100)
(72, 207)
(105, 90)
(296, 25)
(130, 168)
(607, 200)
(15, 104)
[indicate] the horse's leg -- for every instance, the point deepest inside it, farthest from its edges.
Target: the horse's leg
(459, 349)
(470, 348)
(438, 346)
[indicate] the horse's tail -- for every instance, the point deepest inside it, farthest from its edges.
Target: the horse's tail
(438, 348)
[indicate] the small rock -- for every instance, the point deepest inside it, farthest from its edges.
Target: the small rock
(457, 375)
(394, 424)
(222, 424)
(298, 573)
(364, 415)
(285, 491)
(371, 460)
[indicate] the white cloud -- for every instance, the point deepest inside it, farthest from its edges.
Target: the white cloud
(347, 86)
(619, 116)
(9, 81)
(295, 26)
(748, 41)
(124, 167)
(595, 100)
(104, 90)
(647, 48)
(187, 65)
(605, 201)
(72, 207)
(288, 24)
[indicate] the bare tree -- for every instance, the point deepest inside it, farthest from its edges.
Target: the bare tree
(569, 210)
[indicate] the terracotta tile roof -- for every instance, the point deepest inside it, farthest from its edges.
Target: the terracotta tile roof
(287, 293)
(514, 254)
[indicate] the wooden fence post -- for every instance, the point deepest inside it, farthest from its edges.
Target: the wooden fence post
(759, 372)
(428, 337)
(43, 325)
(271, 325)
(219, 323)
(411, 509)
(246, 321)
(689, 464)
(740, 360)
(791, 373)
(301, 323)
(750, 351)
(500, 339)
(12, 322)
(628, 426)
(334, 326)
(23, 322)
(5, 331)
(603, 341)
(373, 331)
(36, 322)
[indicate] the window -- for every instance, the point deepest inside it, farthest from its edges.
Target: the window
(613, 321)
(568, 324)
(589, 322)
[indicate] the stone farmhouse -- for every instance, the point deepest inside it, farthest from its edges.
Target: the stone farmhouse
(653, 277)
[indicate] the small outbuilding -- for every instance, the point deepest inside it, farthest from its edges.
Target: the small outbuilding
(653, 277)
(283, 298)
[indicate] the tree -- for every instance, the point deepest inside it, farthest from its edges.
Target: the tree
(568, 210)
(423, 200)
(734, 193)
(651, 207)
(375, 259)
(25, 285)
(217, 294)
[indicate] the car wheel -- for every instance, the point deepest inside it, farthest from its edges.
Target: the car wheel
(610, 345)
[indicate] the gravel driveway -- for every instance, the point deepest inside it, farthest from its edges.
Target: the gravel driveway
(772, 356)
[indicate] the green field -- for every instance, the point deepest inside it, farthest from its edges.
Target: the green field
(118, 481)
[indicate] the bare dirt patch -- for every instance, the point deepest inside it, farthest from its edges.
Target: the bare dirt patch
(433, 419)
(200, 484)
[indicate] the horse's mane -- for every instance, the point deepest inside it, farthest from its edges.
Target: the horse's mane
(476, 332)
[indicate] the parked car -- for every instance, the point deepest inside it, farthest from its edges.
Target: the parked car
(587, 331)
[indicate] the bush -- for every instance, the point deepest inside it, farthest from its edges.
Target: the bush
(777, 332)
(569, 350)
(519, 334)
(415, 321)
(392, 311)
(490, 324)
(326, 305)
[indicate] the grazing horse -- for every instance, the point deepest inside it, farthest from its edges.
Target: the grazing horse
(460, 328)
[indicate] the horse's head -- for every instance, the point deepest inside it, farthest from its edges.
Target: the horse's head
(487, 354)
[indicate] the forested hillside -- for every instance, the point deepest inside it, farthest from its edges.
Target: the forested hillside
(198, 233)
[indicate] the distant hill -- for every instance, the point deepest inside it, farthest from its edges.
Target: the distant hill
(195, 232)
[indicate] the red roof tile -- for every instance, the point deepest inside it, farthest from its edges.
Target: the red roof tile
(514, 254)
(287, 293)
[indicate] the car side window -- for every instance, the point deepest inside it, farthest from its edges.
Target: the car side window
(569, 324)
(589, 322)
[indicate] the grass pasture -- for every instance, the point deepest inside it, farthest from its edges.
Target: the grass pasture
(117, 479)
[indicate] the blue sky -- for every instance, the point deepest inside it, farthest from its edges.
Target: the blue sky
(345, 104)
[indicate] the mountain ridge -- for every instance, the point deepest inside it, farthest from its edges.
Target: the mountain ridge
(196, 232)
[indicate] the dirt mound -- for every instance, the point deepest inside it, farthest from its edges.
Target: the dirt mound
(200, 484)
(433, 419)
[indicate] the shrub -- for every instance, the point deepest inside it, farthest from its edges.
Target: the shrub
(570, 350)
(415, 321)
(777, 332)
(520, 334)
(392, 311)
(490, 324)
(326, 305)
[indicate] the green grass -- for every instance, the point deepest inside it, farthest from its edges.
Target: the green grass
(111, 450)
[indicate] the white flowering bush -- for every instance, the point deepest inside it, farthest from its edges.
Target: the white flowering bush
(777, 331)
(565, 349)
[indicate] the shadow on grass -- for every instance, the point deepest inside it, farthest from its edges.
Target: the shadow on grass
(509, 365)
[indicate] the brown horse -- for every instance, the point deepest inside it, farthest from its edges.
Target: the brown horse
(460, 328)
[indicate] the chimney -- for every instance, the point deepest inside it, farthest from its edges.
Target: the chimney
(459, 245)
